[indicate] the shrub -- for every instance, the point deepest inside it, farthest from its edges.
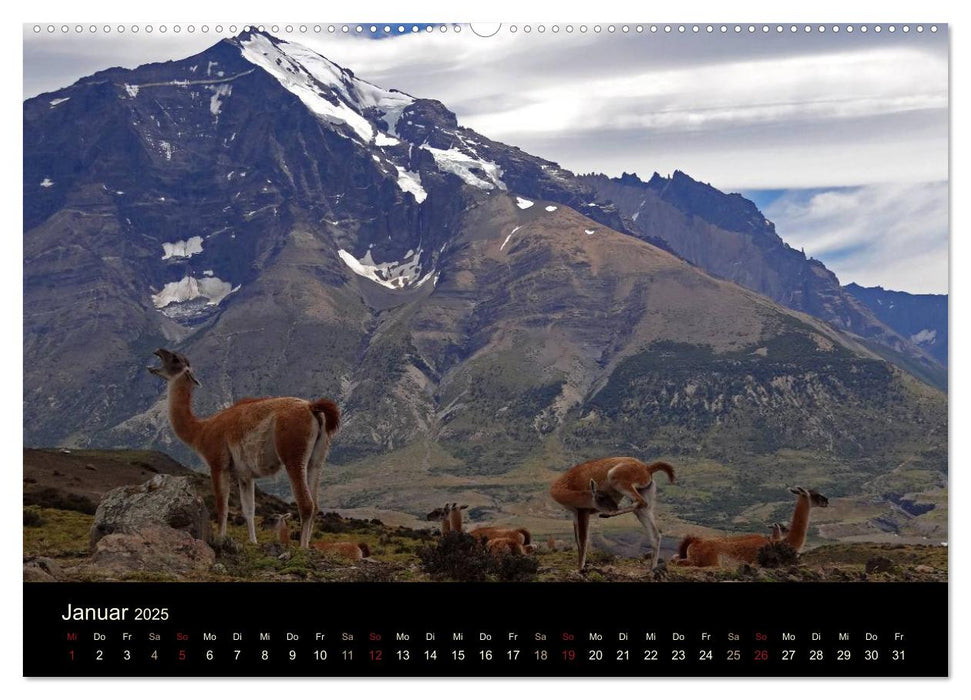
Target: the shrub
(460, 557)
(776, 554)
(515, 567)
(32, 518)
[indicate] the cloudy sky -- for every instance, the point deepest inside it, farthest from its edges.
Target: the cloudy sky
(841, 138)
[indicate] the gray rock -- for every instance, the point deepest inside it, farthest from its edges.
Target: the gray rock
(42, 569)
(155, 549)
(163, 500)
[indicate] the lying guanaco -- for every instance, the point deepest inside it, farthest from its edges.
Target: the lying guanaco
(347, 550)
(600, 485)
(699, 551)
(491, 532)
(497, 545)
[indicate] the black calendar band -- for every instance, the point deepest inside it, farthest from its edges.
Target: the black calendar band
(395, 629)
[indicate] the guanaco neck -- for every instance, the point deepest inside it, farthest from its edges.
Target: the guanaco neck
(800, 524)
(184, 422)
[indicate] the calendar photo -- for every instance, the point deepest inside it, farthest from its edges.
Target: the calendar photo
(505, 307)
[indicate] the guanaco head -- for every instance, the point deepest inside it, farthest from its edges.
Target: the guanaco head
(779, 531)
(439, 513)
(816, 499)
(365, 550)
(173, 365)
(603, 500)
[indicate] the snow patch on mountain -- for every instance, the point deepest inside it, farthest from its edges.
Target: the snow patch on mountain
(589, 231)
(58, 101)
(411, 182)
(924, 336)
(219, 91)
(551, 208)
(523, 203)
(304, 82)
(385, 140)
(465, 166)
(182, 249)
(393, 275)
(46, 182)
(508, 237)
(314, 80)
(212, 289)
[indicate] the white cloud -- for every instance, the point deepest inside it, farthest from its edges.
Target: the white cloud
(892, 235)
(741, 112)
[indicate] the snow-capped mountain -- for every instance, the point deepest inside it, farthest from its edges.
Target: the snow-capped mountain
(296, 230)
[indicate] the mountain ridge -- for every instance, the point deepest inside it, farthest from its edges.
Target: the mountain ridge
(726, 235)
(470, 337)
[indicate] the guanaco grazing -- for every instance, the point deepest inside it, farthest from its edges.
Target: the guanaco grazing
(600, 485)
(698, 551)
(252, 439)
(348, 550)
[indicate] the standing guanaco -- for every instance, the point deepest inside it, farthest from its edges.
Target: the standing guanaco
(699, 551)
(280, 526)
(443, 517)
(455, 517)
(252, 439)
(600, 485)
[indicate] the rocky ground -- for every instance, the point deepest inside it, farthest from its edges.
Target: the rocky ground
(118, 543)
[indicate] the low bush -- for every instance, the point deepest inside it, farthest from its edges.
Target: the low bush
(776, 554)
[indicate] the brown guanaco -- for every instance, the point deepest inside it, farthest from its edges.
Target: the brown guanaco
(600, 485)
(443, 517)
(252, 439)
(280, 526)
(491, 532)
(700, 551)
(455, 517)
(497, 545)
(347, 550)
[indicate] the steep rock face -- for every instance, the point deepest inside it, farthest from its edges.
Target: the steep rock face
(920, 317)
(726, 235)
(479, 313)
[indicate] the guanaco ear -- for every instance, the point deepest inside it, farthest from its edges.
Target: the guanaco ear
(795, 490)
(464, 507)
(593, 486)
(192, 377)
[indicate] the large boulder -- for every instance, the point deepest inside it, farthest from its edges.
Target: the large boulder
(163, 500)
(156, 549)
